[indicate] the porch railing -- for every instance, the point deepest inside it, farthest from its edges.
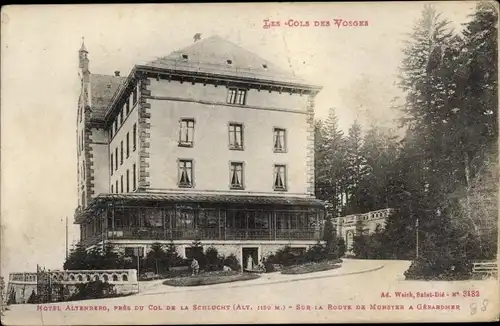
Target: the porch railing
(155, 233)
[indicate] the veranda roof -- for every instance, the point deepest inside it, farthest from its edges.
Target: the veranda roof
(183, 198)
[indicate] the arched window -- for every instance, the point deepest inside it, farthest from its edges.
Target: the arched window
(105, 278)
(88, 278)
(72, 277)
(115, 278)
(80, 278)
(96, 277)
(125, 277)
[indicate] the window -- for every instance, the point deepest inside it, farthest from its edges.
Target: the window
(121, 152)
(111, 131)
(116, 158)
(128, 180)
(121, 183)
(236, 136)
(127, 106)
(121, 116)
(128, 144)
(82, 141)
(83, 198)
(111, 188)
(134, 95)
(116, 125)
(236, 175)
(134, 136)
(279, 140)
(185, 173)
(236, 96)
(279, 177)
(111, 163)
(133, 177)
(83, 169)
(186, 133)
(116, 186)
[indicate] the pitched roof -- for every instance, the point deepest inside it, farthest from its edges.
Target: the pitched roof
(102, 88)
(211, 55)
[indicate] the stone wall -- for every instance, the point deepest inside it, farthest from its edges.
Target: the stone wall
(224, 247)
(23, 284)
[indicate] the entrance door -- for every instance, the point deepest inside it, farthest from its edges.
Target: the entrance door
(250, 258)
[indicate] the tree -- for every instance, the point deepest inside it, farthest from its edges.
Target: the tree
(356, 169)
(329, 163)
(174, 259)
(451, 109)
(330, 238)
(33, 297)
(77, 259)
(156, 258)
(360, 243)
(12, 297)
(2, 295)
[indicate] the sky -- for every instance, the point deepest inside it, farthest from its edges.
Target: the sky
(40, 85)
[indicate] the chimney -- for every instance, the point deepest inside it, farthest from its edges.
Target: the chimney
(117, 73)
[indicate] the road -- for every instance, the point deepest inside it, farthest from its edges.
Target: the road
(332, 296)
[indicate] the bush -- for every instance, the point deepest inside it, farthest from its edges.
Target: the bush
(93, 290)
(213, 260)
(312, 267)
(232, 262)
(340, 247)
(12, 297)
(210, 260)
(439, 269)
(316, 253)
(211, 278)
(286, 256)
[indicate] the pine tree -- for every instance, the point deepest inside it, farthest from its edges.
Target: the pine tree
(156, 258)
(330, 238)
(77, 259)
(356, 168)
(330, 163)
(173, 256)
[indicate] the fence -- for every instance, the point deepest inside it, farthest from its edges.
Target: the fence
(485, 268)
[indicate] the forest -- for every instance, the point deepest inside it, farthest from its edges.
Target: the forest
(439, 167)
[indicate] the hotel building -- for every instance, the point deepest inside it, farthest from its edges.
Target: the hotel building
(211, 143)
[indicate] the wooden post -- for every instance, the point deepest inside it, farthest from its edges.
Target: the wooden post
(270, 224)
(113, 221)
(273, 216)
(171, 222)
(163, 223)
(218, 222)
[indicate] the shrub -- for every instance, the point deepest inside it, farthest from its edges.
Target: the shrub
(439, 269)
(213, 260)
(232, 262)
(12, 297)
(316, 253)
(93, 290)
(340, 247)
(211, 278)
(285, 256)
